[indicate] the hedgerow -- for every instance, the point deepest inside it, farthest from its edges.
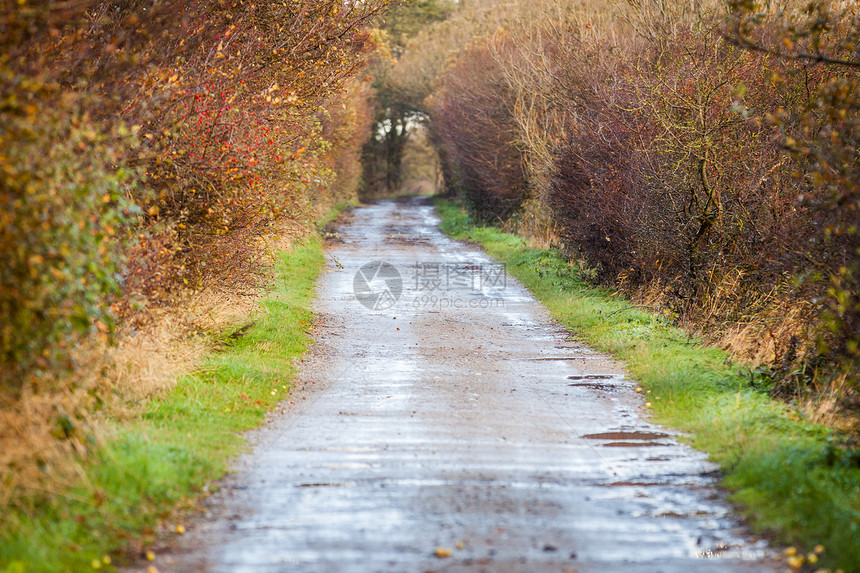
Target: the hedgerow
(148, 149)
(702, 157)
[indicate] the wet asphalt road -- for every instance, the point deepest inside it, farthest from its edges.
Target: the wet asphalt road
(459, 417)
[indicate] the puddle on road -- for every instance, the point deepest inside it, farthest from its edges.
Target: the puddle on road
(622, 435)
(404, 234)
(631, 444)
(613, 386)
(563, 358)
(338, 484)
(622, 439)
(696, 514)
(596, 386)
(406, 240)
(634, 484)
(349, 450)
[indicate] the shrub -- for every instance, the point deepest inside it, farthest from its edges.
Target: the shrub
(709, 161)
(147, 151)
(474, 117)
(63, 213)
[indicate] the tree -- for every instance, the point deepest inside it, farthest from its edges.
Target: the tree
(398, 110)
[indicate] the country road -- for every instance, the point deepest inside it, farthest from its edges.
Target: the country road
(442, 407)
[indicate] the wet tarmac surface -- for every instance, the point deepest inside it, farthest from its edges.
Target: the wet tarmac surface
(457, 417)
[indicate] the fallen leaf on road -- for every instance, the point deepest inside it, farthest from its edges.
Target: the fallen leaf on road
(443, 552)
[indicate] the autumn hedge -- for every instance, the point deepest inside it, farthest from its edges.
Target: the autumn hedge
(147, 150)
(702, 157)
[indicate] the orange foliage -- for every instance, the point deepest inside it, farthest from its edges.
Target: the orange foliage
(191, 128)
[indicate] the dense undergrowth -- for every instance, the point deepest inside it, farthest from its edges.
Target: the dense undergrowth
(152, 157)
(162, 459)
(792, 478)
(702, 157)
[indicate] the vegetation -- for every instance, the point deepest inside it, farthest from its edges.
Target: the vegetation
(165, 456)
(790, 476)
(201, 126)
(151, 155)
(400, 116)
(701, 157)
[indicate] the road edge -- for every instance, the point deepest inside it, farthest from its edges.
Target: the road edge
(782, 472)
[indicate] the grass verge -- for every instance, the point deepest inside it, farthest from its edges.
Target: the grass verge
(787, 475)
(163, 459)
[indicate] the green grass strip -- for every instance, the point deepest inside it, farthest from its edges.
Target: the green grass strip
(182, 441)
(785, 474)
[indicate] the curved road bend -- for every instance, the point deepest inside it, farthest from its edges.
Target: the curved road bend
(469, 422)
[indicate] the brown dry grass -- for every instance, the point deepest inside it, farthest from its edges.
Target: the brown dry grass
(760, 334)
(829, 406)
(46, 433)
(147, 362)
(767, 334)
(535, 224)
(42, 435)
